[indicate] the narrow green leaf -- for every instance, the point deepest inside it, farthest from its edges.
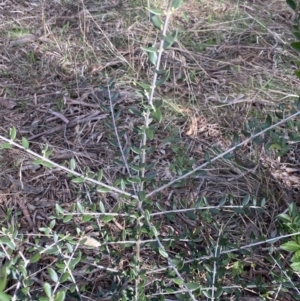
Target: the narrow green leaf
(6, 145)
(163, 79)
(297, 35)
(134, 180)
(142, 195)
(162, 252)
(177, 281)
(147, 215)
(3, 277)
(43, 163)
(100, 175)
(75, 261)
(218, 293)
(193, 286)
(136, 150)
(72, 164)
(60, 296)
(78, 180)
(58, 209)
(154, 231)
(152, 58)
(35, 258)
(67, 218)
(291, 4)
(155, 11)
(6, 241)
(149, 133)
(25, 143)
(176, 4)
(47, 289)
(246, 200)
(149, 49)
(107, 218)
(157, 115)
(296, 46)
(53, 275)
(169, 39)
(65, 276)
(80, 207)
(103, 189)
(101, 207)
(12, 133)
(157, 22)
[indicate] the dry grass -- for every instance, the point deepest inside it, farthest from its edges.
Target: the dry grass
(232, 62)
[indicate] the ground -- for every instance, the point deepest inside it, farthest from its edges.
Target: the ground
(231, 65)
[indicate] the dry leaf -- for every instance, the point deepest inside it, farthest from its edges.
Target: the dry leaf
(7, 103)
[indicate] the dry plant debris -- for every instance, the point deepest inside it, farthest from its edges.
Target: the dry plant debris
(232, 61)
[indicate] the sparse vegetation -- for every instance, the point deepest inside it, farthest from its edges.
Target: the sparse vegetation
(150, 151)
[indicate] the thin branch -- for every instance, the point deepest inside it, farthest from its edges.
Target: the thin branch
(74, 173)
(220, 155)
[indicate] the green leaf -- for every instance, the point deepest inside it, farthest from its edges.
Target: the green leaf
(291, 4)
(99, 175)
(290, 246)
(5, 297)
(157, 115)
(80, 207)
(3, 277)
(60, 296)
(218, 293)
(147, 215)
(162, 252)
(65, 276)
(6, 145)
(58, 209)
(101, 207)
(134, 180)
(149, 49)
(75, 261)
(295, 266)
(103, 189)
(163, 78)
(246, 200)
(35, 258)
(43, 163)
(176, 4)
(47, 289)
(107, 218)
(157, 22)
(177, 281)
(67, 218)
(72, 164)
(53, 275)
(155, 11)
(152, 58)
(142, 195)
(136, 150)
(149, 133)
(193, 286)
(12, 133)
(25, 143)
(78, 180)
(297, 35)
(169, 39)
(296, 46)
(6, 241)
